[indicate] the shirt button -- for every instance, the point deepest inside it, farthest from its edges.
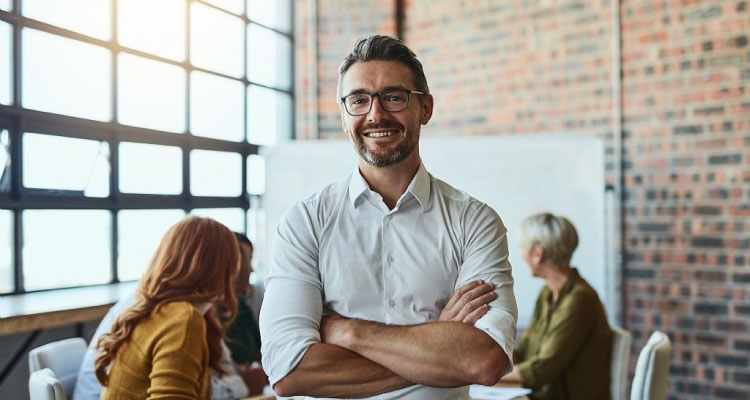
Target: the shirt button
(392, 303)
(390, 259)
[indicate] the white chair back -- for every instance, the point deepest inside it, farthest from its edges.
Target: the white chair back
(619, 363)
(43, 385)
(63, 358)
(652, 369)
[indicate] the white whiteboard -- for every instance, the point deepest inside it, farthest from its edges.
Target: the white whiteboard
(516, 175)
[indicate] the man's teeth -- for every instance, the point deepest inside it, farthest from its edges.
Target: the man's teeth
(381, 134)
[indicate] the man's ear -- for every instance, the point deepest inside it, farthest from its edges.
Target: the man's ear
(426, 110)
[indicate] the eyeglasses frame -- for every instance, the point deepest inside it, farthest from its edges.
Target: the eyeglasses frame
(377, 94)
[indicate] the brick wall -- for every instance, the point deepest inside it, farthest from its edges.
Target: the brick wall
(338, 25)
(505, 67)
(686, 96)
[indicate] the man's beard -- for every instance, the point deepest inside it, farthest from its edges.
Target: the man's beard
(400, 153)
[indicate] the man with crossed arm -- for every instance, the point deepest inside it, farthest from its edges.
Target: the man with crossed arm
(390, 284)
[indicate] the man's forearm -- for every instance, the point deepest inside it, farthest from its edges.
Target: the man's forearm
(441, 354)
(331, 371)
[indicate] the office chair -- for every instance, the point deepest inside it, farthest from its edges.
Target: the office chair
(651, 369)
(619, 363)
(62, 358)
(43, 385)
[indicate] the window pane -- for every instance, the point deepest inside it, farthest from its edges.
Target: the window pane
(6, 251)
(150, 169)
(89, 17)
(216, 40)
(269, 115)
(54, 162)
(233, 218)
(216, 107)
(139, 234)
(268, 57)
(215, 173)
(256, 174)
(66, 248)
(274, 14)
(6, 5)
(6, 63)
(156, 27)
(4, 161)
(151, 94)
(65, 76)
(233, 6)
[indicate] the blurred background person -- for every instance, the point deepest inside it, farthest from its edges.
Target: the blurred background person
(564, 353)
(165, 342)
(242, 379)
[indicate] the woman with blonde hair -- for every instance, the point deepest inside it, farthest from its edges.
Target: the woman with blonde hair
(163, 345)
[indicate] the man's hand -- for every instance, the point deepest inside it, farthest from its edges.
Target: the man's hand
(469, 302)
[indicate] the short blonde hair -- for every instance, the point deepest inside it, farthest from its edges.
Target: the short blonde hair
(555, 234)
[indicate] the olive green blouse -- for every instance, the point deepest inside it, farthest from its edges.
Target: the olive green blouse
(565, 352)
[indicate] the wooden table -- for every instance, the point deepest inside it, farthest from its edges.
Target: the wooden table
(56, 308)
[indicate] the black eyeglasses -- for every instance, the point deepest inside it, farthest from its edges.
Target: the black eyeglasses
(392, 100)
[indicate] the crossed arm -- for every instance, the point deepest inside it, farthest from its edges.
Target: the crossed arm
(360, 358)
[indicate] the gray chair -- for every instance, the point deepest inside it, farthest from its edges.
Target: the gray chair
(619, 363)
(62, 358)
(652, 369)
(43, 385)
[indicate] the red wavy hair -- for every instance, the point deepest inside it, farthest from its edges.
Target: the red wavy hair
(197, 261)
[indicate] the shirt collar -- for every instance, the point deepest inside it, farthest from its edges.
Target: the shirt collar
(357, 186)
(419, 186)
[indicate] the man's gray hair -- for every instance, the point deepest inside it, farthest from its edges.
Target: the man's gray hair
(383, 48)
(555, 234)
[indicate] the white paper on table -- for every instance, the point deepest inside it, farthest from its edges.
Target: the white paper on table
(479, 392)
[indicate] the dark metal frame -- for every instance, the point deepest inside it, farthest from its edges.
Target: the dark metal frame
(18, 120)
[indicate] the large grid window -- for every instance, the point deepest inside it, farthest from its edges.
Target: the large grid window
(119, 117)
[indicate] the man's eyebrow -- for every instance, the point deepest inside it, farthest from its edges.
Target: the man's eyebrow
(363, 91)
(357, 91)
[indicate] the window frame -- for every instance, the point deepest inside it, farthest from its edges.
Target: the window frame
(18, 120)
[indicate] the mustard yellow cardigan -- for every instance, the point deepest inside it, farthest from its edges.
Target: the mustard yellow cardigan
(165, 357)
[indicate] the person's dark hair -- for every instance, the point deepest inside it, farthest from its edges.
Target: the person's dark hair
(383, 48)
(242, 238)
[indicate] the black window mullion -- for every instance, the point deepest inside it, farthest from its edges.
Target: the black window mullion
(17, 98)
(114, 151)
(185, 146)
(245, 100)
(18, 284)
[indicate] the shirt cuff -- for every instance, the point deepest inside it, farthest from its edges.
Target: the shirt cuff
(506, 340)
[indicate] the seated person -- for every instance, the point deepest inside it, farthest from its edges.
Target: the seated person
(243, 336)
(240, 381)
(564, 353)
(162, 346)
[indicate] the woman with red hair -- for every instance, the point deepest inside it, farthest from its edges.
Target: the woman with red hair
(163, 345)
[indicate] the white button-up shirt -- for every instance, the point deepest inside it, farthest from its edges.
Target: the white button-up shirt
(343, 251)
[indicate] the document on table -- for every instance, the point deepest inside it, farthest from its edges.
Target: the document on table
(479, 392)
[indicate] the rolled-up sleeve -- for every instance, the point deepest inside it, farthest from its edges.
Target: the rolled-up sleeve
(293, 303)
(486, 257)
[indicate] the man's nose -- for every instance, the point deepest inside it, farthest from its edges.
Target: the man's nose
(376, 111)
